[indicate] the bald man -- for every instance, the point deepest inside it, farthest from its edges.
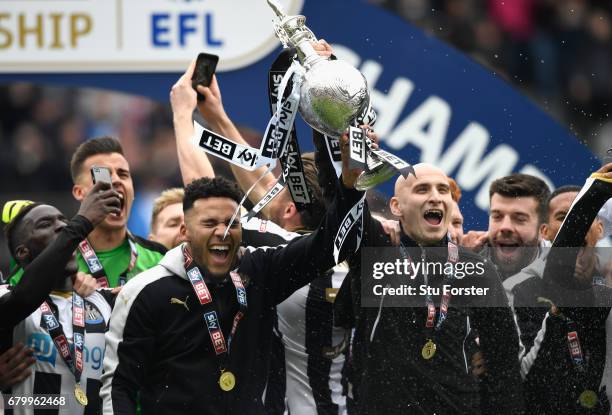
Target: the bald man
(410, 351)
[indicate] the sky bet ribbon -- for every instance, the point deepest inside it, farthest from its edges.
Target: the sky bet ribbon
(242, 156)
(227, 380)
(291, 160)
(431, 326)
(50, 323)
(280, 140)
(95, 266)
(363, 156)
(273, 145)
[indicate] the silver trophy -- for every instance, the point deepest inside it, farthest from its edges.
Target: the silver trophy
(333, 94)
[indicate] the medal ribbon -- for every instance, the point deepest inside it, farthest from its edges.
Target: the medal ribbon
(55, 330)
(452, 258)
(211, 318)
(588, 398)
(95, 266)
(574, 347)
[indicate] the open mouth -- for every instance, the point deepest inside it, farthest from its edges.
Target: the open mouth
(219, 252)
(507, 248)
(121, 205)
(433, 216)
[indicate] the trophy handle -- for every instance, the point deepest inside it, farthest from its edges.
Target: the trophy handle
(281, 35)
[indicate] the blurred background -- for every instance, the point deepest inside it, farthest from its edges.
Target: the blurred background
(557, 52)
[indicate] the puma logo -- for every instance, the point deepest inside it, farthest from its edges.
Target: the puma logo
(174, 300)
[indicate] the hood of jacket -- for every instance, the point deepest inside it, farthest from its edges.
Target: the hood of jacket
(173, 261)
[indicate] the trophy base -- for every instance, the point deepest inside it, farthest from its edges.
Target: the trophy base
(372, 178)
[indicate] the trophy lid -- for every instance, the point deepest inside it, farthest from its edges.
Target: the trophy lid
(277, 8)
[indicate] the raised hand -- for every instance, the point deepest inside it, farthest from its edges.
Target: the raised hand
(101, 201)
(183, 98)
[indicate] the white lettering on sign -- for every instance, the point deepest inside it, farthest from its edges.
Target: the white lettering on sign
(468, 157)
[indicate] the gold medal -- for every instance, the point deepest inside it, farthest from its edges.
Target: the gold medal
(588, 399)
(429, 350)
(80, 395)
(227, 381)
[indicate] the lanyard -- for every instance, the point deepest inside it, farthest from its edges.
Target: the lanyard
(211, 318)
(452, 258)
(55, 330)
(95, 266)
(573, 345)
(572, 339)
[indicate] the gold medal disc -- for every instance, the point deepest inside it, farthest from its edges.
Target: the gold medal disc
(227, 381)
(80, 395)
(429, 350)
(588, 399)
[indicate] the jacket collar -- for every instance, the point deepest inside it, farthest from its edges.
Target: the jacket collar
(173, 262)
(408, 242)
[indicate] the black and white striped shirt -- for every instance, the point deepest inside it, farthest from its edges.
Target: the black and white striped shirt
(51, 375)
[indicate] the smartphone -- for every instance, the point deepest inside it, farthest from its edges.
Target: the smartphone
(205, 67)
(101, 174)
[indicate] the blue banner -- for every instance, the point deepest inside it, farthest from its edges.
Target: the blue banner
(434, 104)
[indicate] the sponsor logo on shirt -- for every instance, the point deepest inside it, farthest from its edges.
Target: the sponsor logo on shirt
(45, 351)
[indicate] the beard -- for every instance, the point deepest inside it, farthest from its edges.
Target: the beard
(523, 256)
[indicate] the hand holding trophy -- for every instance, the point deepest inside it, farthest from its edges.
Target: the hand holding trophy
(334, 96)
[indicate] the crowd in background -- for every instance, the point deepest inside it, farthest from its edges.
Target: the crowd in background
(559, 52)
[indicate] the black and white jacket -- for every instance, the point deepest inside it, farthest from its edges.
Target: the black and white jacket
(161, 349)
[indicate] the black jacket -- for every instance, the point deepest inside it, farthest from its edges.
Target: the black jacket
(553, 383)
(162, 349)
(40, 276)
(389, 375)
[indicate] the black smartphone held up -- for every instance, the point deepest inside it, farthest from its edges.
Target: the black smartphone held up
(101, 174)
(205, 67)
